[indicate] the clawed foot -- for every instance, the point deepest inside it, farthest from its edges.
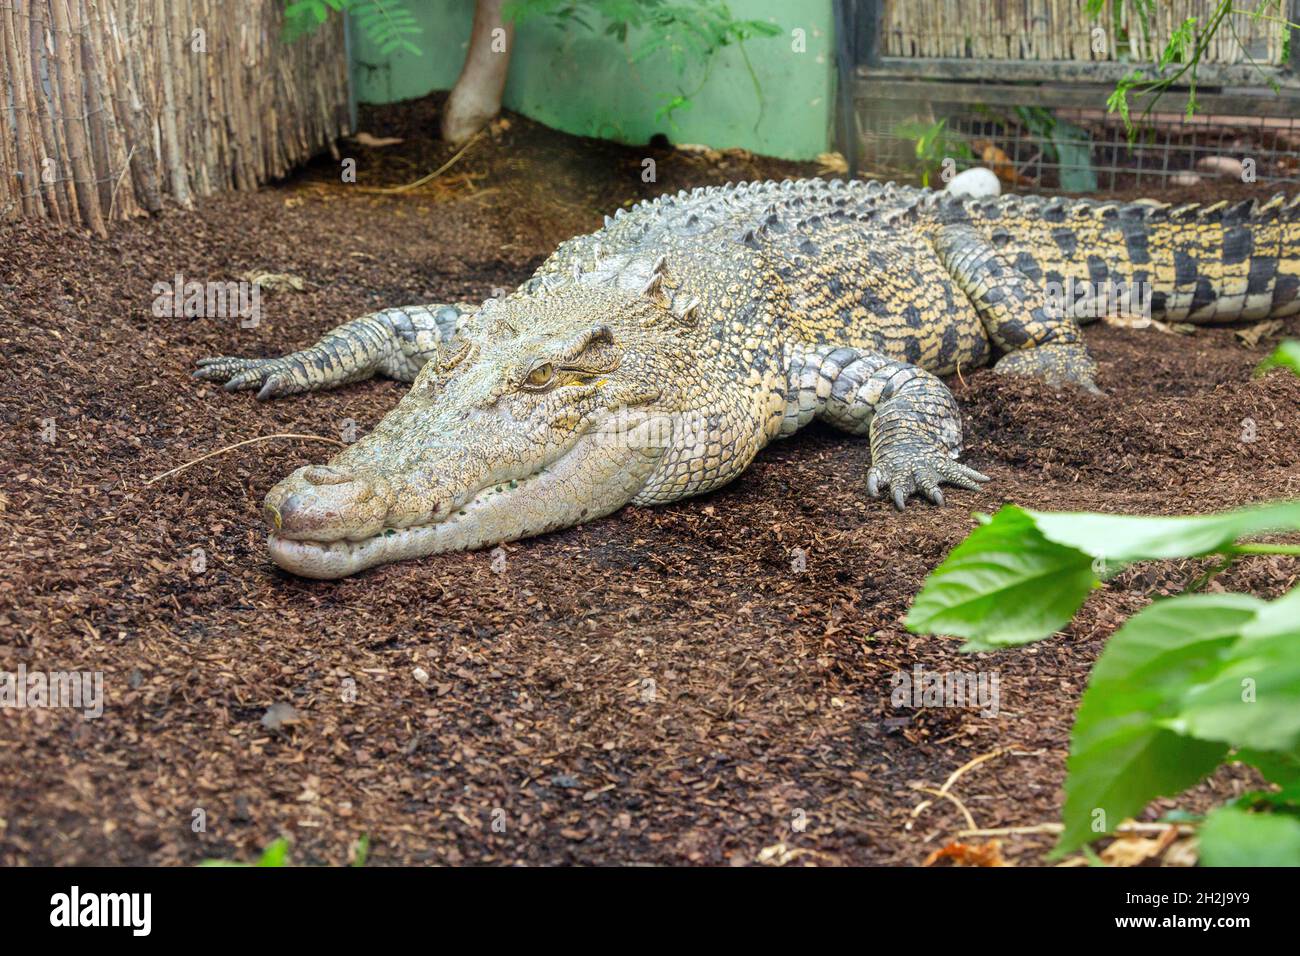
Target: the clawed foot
(1057, 365)
(909, 471)
(271, 377)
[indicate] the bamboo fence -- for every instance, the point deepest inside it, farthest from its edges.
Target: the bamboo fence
(108, 108)
(1063, 30)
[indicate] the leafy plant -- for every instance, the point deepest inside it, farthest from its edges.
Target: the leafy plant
(1063, 143)
(1286, 355)
(1022, 574)
(1182, 54)
(1185, 684)
(361, 852)
(1179, 687)
(388, 23)
(276, 854)
(934, 144)
(684, 32)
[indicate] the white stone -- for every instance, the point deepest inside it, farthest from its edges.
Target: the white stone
(977, 183)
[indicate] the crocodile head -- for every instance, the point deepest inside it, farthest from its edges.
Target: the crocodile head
(545, 412)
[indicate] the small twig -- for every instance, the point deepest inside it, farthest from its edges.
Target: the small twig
(388, 190)
(970, 821)
(953, 777)
(1053, 828)
(250, 441)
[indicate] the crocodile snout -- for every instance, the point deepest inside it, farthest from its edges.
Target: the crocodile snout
(326, 503)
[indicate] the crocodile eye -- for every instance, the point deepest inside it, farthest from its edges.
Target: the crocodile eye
(541, 376)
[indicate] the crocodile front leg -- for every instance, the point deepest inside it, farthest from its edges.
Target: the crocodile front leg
(394, 342)
(910, 416)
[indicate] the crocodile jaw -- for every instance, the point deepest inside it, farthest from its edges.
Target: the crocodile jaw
(595, 478)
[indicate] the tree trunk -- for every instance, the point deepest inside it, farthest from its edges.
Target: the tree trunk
(476, 97)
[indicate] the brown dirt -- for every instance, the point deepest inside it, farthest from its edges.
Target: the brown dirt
(771, 688)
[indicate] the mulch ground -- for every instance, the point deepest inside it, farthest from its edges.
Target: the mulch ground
(662, 686)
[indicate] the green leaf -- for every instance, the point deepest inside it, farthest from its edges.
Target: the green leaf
(362, 852)
(1127, 538)
(1286, 355)
(1286, 800)
(1282, 769)
(1074, 154)
(1233, 837)
(1021, 576)
(275, 854)
(1254, 699)
(1123, 754)
(647, 48)
(1180, 42)
(1005, 584)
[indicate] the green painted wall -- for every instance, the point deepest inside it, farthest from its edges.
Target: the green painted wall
(581, 81)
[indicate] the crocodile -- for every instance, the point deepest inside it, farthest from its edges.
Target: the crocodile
(654, 358)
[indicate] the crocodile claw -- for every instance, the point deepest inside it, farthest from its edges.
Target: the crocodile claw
(269, 376)
(912, 471)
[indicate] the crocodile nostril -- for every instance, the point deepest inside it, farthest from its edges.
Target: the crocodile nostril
(321, 503)
(327, 475)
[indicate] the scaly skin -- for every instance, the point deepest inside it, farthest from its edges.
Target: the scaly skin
(653, 359)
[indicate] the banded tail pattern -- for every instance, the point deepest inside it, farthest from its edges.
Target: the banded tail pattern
(1203, 263)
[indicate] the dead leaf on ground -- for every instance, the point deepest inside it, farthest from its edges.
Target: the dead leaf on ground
(968, 854)
(1130, 850)
(832, 163)
(1128, 321)
(1251, 335)
(1182, 853)
(1002, 165)
(274, 281)
(365, 139)
(707, 153)
(280, 714)
(778, 854)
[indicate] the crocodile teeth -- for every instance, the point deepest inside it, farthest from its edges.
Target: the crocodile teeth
(654, 286)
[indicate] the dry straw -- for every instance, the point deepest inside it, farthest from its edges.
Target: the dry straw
(1063, 30)
(108, 107)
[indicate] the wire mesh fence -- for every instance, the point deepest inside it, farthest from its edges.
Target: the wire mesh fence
(1021, 86)
(1077, 149)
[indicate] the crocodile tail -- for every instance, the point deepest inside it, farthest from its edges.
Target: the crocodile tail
(1190, 263)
